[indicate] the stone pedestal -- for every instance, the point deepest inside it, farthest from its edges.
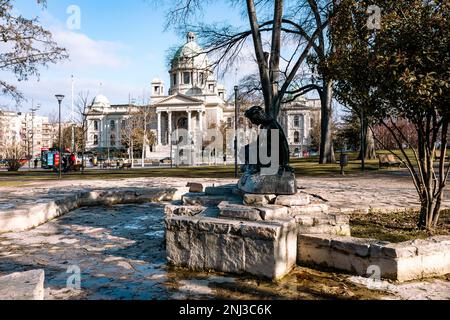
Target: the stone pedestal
(262, 249)
(280, 184)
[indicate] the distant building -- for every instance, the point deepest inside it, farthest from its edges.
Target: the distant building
(194, 101)
(33, 132)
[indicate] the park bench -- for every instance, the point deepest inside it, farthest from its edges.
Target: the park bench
(437, 155)
(388, 160)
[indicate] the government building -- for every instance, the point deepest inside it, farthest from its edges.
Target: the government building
(195, 102)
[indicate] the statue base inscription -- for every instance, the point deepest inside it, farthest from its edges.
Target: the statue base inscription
(283, 183)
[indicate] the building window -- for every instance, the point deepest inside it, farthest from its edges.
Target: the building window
(296, 121)
(201, 78)
(211, 88)
(296, 137)
(174, 78)
(113, 140)
(96, 125)
(186, 77)
(112, 125)
(229, 122)
(221, 95)
(157, 90)
(95, 140)
(124, 124)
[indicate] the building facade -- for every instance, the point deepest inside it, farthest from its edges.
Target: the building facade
(194, 101)
(31, 131)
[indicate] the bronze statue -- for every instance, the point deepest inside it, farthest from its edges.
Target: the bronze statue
(258, 117)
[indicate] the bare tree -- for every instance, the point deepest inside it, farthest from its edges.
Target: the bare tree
(13, 152)
(26, 47)
(283, 35)
(82, 109)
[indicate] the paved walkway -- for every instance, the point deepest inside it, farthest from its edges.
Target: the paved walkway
(119, 252)
(379, 192)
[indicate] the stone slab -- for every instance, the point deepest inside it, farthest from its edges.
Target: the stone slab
(405, 261)
(194, 199)
(184, 210)
(23, 286)
(280, 184)
(259, 199)
(220, 190)
(240, 212)
(273, 212)
(298, 199)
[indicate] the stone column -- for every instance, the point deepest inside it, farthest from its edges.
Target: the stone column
(159, 129)
(200, 120)
(169, 126)
(118, 139)
(189, 121)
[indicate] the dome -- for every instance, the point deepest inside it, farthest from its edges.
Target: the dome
(191, 51)
(157, 80)
(100, 101)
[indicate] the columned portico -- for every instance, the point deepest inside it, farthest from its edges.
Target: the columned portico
(167, 116)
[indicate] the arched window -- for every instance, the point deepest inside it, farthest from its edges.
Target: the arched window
(296, 137)
(186, 77)
(95, 125)
(296, 121)
(95, 140)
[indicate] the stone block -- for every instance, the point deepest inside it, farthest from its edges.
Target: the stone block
(183, 210)
(220, 190)
(257, 248)
(200, 199)
(273, 212)
(23, 286)
(255, 199)
(195, 187)
(279, 184)
(176, 223)
(308, 209)
(239, 212)
(293, 200)
(219, 226)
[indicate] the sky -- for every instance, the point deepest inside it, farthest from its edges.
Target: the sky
(117, 51)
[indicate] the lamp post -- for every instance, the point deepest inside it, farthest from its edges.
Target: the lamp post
(236, 119)
(33, 114)
(60, 98)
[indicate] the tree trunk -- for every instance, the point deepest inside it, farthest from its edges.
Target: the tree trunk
(369, 144)
(326, 145)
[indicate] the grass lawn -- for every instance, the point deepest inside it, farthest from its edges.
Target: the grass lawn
(303, 167)
(395, 227)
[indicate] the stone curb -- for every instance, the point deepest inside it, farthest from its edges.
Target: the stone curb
(31, 216)
(404, 261)
(23, 286)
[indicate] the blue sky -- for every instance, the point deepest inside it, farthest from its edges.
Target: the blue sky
(121, 44)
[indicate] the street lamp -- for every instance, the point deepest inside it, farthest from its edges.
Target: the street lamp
(236, 119)
(60, 98)
(33, 114)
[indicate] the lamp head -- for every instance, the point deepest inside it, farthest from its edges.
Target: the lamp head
(59, 97)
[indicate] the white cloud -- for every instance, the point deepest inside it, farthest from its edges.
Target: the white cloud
(87, 53)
